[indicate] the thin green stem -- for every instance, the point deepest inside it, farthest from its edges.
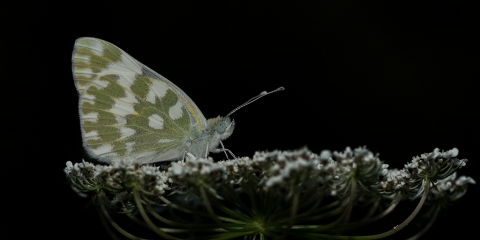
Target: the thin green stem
(271, 207)
(348, 208)
(230, 193)
(180, 208)
(317, 197)
(345, 211)
(314, 214)
(233, 214)
(373, 209)
(385, 234)
(212, 213)
(293, 213)
(189, 211)
(80, 182)
(135, 219)
(428, 226)
(106, 224)
(177, 224)
(354, 225)
(113, 223)
(252, 196)
(145, 217)
(226, 236)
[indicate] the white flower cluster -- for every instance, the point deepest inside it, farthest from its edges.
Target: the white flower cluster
(81, 170)
(81, 177)
(410, 181)
(278, 171)
(245, 196)
(117, 178)
(450, 189)
(197, 172)
(290, 169)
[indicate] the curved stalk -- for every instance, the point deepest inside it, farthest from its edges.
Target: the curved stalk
(370, 220)
(385, 234)
(113, 223)
(428, 226)
(293, 214)
(177, 224)
(147, 219)
(346, 211)
(212, 213)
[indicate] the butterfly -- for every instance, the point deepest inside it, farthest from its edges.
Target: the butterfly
(128, 111)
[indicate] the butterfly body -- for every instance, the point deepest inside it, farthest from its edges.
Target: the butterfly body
(128, 111)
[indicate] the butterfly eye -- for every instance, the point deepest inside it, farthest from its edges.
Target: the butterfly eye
(222, 125)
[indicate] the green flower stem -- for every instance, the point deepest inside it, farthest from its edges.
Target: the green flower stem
(270, 206)
(230, 193)
(314, 215)
(428, 226)
(293, 213)
(348, 208)
(315, 195)
(225, 236)
(233, 214)
(308, 212)
(305, 200)
(107, 217)
(147, 193)
(106, 224)
(113, 190)
(212, 213)
(385, 234)
(354, 225)
(286, 211)
(365, 187)
(321, 216)
(252, 196)
(147, 219)
(133, 218)
(181, 225)
(303, 230)
(407, 221)
(373, 209)
(447, 172)
(79, 181)
(182, 209)
(189, 211)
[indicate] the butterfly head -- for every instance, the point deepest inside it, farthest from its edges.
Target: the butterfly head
(221, 127)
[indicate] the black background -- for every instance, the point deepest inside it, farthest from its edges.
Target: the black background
(398, 78)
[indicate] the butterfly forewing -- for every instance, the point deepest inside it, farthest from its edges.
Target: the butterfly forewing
(128, 111)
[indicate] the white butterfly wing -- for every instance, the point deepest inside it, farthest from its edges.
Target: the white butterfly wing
(127, 110)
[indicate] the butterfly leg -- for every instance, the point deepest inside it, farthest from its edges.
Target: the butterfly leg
(224, 150)
(231, 153)
(206, 150)
(186, 153)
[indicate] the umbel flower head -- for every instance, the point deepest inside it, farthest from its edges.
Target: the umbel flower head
(272, 195)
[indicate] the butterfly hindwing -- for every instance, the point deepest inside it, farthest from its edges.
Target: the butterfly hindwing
(127, 110)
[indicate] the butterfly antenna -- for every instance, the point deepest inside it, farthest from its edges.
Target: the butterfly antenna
(262, 94)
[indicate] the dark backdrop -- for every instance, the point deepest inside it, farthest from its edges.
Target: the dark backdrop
(398, 78)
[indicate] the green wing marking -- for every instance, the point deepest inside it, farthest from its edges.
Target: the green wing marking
(126, 113)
